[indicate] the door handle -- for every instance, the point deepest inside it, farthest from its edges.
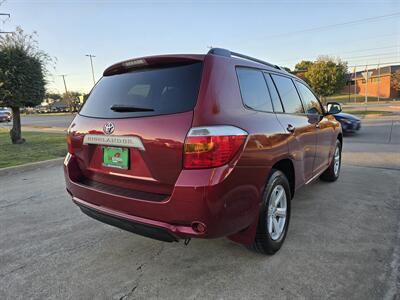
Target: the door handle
(290, 128)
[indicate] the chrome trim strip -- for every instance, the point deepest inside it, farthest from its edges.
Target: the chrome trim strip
(315, 176)
(216, 131)
(114, 140)
(67, 159)
(133, 177)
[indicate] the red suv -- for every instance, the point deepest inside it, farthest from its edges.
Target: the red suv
(200, 146)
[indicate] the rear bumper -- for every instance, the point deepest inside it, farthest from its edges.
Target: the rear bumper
(139, 226)
(226, 200)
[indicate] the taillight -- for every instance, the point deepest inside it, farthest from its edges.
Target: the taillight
(213, 146)
(69, 143)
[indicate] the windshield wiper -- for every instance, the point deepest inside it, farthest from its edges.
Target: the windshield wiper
(128, 108)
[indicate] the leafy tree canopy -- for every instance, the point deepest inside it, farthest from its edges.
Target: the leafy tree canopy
(22, 70)
(327, 76)
(72, 94)
(304, 65)
(22, 75)
(54, 96)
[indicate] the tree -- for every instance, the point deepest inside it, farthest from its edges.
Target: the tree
(304, 65)
(53, 96)
(22, 75)
(327, 76)
(72, 99)
(395, 81)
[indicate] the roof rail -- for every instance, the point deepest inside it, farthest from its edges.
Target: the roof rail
(227, 53)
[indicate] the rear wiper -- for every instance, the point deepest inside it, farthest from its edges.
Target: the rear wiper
(128, 108)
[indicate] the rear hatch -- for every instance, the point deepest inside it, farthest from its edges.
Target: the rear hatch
(128, 137)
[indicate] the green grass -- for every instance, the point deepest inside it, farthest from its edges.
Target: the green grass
(39, 146)
(49, 114)
(344, 98)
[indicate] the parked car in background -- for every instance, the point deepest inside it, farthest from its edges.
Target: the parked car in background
(5, 115)
(59, 106)
(42, 109)
(200, 146)
(350, 123)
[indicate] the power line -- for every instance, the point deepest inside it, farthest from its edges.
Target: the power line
(372, 64)
(364, 50)
(335, 25)
(375, 59)
(288, 61)
(369, 55)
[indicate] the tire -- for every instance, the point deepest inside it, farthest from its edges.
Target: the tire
(333, 172)
(267, 241)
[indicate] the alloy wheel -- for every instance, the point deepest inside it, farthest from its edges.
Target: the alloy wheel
(336, 158)
(277, 211)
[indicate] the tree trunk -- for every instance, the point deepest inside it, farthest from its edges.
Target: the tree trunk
(15, 132)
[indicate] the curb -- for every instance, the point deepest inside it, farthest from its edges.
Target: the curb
(31, 166)
(37, 128)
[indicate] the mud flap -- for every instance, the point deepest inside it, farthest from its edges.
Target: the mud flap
(247, 235)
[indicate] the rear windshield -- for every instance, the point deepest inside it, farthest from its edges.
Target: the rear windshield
(160, 91)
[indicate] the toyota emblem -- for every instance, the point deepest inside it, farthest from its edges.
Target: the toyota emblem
(108, 128)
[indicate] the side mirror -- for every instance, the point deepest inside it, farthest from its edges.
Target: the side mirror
(333, 108)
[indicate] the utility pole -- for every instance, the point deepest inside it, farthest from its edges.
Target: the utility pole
(65, 85)
(69, 101)
(366, 85)
(8, 15)
(91, 63)
(379, 81)
(355, 85)
(367, 74)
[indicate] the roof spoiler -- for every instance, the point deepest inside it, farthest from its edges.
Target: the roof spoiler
(149, 62)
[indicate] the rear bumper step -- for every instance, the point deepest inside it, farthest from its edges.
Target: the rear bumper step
(132, 226)
(115, 190)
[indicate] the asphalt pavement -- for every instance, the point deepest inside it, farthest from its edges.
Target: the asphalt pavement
(43, 121)
(47, 120)
(343, 241)
(383, 106)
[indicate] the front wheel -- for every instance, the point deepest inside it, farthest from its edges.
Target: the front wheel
(274, 215)
(333, 171)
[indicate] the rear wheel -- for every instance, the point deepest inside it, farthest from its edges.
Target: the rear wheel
(333, 171)
(274, 215)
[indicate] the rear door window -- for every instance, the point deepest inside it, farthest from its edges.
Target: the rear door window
(288, 94)
(167, 90)
(274, 94)
(311, 103)
(254, 89)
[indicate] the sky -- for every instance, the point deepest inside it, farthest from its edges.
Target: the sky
(280, 32)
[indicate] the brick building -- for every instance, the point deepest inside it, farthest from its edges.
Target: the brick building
(379, 82)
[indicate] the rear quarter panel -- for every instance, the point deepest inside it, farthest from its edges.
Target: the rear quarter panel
(220, 103)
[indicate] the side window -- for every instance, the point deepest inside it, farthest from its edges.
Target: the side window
(288, 93)
(254, 89)
(311, 103)
(274, 94)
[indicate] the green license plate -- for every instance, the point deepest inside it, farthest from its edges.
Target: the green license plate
(115, 157)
